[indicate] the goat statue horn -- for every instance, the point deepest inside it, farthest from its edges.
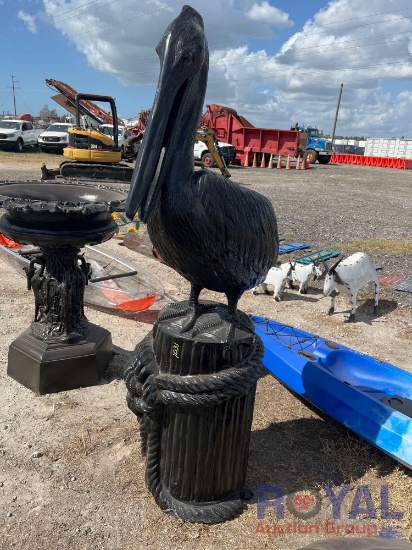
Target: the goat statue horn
(335, 265)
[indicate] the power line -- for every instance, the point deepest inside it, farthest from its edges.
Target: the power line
(77, 8)
(285, 72)
(325, 71)
(27, 105)
(324, 25)
(247, 61)
(380, 36)
(94, 30)
(178, 3)
(5, 36)
(369, 15)
(85, 11)
(225, 64)
(220, 64)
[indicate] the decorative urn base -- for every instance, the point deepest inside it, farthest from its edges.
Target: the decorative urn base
(48, 367)
(61, 350)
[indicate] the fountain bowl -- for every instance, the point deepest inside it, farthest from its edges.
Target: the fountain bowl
(59, 214)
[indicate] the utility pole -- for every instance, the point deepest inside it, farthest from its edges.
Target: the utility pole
(336, 116)
(14, 95)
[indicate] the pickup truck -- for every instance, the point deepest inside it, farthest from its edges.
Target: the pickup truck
(55, 138)
(16, 134)
(122, 133)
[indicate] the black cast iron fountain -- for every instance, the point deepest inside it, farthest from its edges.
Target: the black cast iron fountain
(61, 350)
(192, 380)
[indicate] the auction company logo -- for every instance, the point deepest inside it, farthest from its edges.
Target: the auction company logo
(307, 504)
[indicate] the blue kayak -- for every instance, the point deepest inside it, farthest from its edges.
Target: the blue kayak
(370, 397)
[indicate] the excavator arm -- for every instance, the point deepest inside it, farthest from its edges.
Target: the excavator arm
(207, 136)
(66, 98)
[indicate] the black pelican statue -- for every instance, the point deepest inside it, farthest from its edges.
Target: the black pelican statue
(215, 233)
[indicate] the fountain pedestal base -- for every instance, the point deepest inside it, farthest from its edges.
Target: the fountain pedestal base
(49, 367)
(61, 350)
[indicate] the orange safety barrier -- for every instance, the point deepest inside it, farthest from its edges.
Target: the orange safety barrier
(377, 162)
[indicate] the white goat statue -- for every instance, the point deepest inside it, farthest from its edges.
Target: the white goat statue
(276, 277)
(348, 276)
(301, 273)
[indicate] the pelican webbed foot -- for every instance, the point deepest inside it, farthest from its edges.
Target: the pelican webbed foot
(194, 308)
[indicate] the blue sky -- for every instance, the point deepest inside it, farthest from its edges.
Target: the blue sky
(275, 62)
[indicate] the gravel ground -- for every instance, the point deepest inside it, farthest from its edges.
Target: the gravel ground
(71, 474)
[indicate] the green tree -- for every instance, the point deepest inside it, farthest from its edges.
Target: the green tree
(47, 114)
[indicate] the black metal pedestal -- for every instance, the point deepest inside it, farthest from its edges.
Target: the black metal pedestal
(194, 396)
(61, 350)
(47, 367)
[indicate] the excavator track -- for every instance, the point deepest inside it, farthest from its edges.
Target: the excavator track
(121, 173)
(118, 172)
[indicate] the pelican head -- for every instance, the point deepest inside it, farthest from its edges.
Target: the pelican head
(173, 122)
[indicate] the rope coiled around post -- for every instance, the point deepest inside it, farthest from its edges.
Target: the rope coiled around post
(150, 391)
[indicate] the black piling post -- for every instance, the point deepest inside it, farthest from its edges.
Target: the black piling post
(194, 397)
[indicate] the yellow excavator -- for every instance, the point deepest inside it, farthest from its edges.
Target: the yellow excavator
(94, 155)
(90, 153)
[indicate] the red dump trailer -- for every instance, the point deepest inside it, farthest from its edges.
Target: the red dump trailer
(235, 129)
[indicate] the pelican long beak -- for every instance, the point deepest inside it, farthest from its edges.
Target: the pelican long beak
(182, 53)
(149, 169)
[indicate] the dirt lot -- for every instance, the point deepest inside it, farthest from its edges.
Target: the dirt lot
(71, 473)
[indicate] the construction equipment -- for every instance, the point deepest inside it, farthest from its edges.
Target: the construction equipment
(94, 155)
(250, 141)
(90, 154)
(204, 135)
(213, 151)
(136, 132)
(66, 98)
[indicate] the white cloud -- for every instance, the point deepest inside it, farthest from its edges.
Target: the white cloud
(342, 44)
(266, 13)
(364, 45)
(29, 20)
